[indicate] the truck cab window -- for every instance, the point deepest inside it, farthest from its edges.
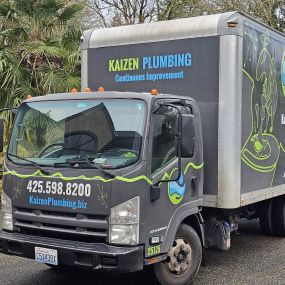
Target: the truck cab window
(106, 132)
(164, 130)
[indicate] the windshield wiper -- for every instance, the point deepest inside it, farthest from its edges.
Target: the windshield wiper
(74, 161)
(44, 171)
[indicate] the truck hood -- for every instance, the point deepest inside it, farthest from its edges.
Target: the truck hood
(69, 201)
(85, 191)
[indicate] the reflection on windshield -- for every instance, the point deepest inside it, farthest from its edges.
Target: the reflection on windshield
(108, 133)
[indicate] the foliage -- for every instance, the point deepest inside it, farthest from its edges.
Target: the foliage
(38, 131)
(125, 12)
(270, 12)
(122, 12)
(39, 48)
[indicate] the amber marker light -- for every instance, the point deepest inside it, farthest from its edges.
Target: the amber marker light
(153, 260)
(87, 90)
(101, 89)
(73, 90)
(154, 92)
(232, 24)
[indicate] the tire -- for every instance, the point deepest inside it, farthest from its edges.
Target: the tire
(279, 216)
(187, 249)
(266, 217)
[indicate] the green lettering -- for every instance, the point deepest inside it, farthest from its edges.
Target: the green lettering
(117, 66)
(111, 65)
(135, 62)
(153, 250)
(131, 60)
(125, 64)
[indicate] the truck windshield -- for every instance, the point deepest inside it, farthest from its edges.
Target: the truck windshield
(101, 133)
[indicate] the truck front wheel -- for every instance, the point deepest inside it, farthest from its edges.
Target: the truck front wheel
(184, 259)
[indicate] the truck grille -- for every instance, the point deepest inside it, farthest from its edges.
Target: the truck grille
(63, 225)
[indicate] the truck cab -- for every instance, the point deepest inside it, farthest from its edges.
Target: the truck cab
(88, 175)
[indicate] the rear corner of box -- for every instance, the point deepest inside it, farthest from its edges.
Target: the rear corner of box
(229, 129)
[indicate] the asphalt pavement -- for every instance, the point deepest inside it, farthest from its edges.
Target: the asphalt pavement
(254, 259)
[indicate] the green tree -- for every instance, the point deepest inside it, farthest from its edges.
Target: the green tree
(105, 13)
(173, 9)
(270, 12)
(39, 48)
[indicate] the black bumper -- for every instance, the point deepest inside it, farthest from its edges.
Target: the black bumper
(94, 256)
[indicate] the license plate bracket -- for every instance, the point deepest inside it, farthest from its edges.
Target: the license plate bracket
(46, 255)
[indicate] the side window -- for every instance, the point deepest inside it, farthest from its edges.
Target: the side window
(164, 143)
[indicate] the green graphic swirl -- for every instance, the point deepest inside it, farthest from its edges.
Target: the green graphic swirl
(190, 164)
(83, 177)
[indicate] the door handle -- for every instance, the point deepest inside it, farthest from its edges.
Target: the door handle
(193, 184)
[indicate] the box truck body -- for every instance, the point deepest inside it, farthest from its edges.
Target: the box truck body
(124, 178)
(235, 72)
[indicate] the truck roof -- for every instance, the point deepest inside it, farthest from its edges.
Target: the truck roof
(156, 31)
(98, 95)
(201, 26)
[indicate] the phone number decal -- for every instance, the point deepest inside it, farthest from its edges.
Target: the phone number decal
(53, 187)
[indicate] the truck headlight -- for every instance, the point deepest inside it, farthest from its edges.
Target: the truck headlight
(7, 219)
(124, 223)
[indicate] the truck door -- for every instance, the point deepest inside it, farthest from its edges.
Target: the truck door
(175, 196)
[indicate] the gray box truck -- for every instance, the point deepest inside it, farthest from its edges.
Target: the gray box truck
(119, 180)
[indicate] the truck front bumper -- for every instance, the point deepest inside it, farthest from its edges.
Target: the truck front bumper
(94, 256)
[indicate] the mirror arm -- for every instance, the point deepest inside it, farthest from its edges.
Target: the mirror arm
(179, 141)
(12, 109)
(5, 109)
(8, 109)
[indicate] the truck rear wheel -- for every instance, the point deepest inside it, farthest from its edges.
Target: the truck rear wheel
(279, 216)
(266, 217)
(184, 259)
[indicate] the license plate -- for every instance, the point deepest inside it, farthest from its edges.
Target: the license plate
(46, 255)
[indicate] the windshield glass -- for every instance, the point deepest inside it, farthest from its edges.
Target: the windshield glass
(105, 133)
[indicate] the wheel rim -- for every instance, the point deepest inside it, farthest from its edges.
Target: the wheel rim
(179, 257)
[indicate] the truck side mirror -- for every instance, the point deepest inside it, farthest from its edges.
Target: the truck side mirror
(188, 135)
(1, 134)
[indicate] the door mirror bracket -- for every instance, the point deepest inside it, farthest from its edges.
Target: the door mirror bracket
(154, 192)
